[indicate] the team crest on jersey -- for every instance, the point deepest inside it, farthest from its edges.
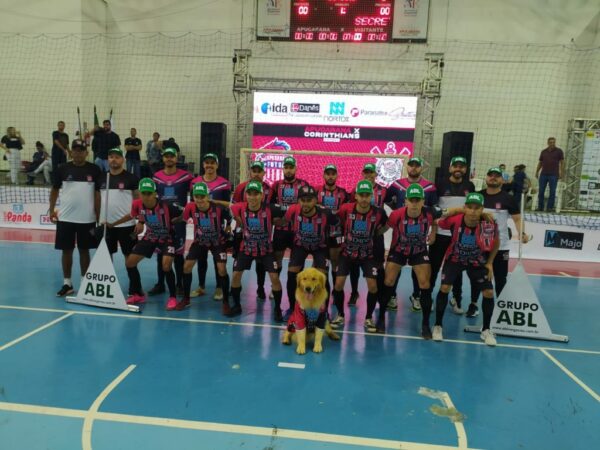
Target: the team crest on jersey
(90, 178)
(121, 186)
(498, 205)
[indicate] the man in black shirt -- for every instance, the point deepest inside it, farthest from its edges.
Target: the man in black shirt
(104, 140)
(133, 146)
(60, 146)
(12, 143)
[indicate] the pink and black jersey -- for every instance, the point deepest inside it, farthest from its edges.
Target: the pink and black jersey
(209, 225)
(239, 195)
(397, 191)
(256, 227)
(310, 233)
(359, 229)
(410, 234)
(309, 318)
(379, 197)
(218, 189)
(332, 200)
(285, 194)
(173, 188)
(469, 245)
(158, 220)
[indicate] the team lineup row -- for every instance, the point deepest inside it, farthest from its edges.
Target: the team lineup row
(430, 225)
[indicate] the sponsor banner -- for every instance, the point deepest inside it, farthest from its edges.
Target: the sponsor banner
(273, 19)
(589, 187)
(25, 215)
(411, 18)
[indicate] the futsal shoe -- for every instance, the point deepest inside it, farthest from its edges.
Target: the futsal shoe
(380, 326)
(415, 303)
(184, 303)
(437, 334)
(456, 309)
(271, 296)
(65, 290)
(488, 337)
(261, 294)
(234, 311)
(197, 292)
(370, 326)
(353, 299)
(426, 332)
(157, 289)
(392, 304)
(136, 299)
(277, 315)
(226, 309)
(473, 310)
(338, 322)
(171, 304)
(218, 295)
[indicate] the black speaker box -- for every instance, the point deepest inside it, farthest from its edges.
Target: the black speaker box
(456, 143)
(213, 139)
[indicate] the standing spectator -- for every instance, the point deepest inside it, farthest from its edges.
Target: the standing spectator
(170, 143)
(104, 140)
(549, 170)
(41, 162)
(13, 143)
(60, 146)
(78, 214)
(505, 175)
(133, 147)
(520, 183)
(153, 153)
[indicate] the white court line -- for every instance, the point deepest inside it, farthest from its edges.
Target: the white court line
(291, 365)
(571, 375)
(460, 428)
(565, 274)
(221, 427)
(281, 327)
(88, 423)
(37, 330)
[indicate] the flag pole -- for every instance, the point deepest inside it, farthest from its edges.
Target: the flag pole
(522, 226)
(106, 203)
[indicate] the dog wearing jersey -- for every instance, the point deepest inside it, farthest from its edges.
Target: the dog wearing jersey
(309, 319)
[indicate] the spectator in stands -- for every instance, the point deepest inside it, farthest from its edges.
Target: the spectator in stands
(41, 163)
(170, 143)
(505, 175)
(520, 183)
(60, 146)
(104, 140)
(153, 154)
(549, 170)
(12, 143)
(133, 147)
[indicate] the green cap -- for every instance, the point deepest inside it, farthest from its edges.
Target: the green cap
(254, 186)
(211, 156)
(458, 159)
(494, 170)
(169, 151)
(474, 197)
(364, 187)
(259, 164)
(116, 150)
(415, 159)
(147, 185)
(330, 167)
(415, 191)
(289, 160)
(200, 189)
(370, 167)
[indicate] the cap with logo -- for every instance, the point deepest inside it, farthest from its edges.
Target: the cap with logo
(474, 198)
(169, 151)
(330, 167)
(259, 164)
(147, 185)
(78, 144)
(364, 187)
(494, 170)
(415, 159)
(307, 192)
(289, 160)
(254, 186)
(415, 191)
(211, 156)
(116, 150)
(370, 167)
(459, 160)
(200, 189)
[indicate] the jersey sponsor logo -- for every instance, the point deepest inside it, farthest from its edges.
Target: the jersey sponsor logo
(151, 219)
(307, 227)
(414, 228)
(254, 224)
(329, 201)
(468, 240)
(360, 225)
(205, 222)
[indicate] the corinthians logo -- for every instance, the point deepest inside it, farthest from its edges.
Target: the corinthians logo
(389, 169)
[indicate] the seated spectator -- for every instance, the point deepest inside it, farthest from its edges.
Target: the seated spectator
(41, 163)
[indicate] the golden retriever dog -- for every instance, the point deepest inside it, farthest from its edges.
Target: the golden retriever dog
(309, 318)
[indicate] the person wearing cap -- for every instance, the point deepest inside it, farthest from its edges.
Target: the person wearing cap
(172, 186)
(157, 218)
(451, 193)
(361, 223)
(78, 212)
(397, 190)
(473, 247)
(133, 147)
(211, 222)
(502, 205)
(256, 221)
(220, 190)
(122, 190)
(257, 173)
(311, 225)
(12, 143)
(104, 140)
(331, 196)
(285, 194)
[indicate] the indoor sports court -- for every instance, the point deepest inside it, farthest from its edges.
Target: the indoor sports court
(348, 84)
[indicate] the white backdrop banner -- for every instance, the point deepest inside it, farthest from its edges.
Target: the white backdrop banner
(25, 215)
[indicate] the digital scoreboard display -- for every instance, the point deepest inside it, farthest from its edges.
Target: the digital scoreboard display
(341, 20)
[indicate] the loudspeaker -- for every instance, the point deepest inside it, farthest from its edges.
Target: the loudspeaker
(213, 139)
(223, 169)
(456, 143)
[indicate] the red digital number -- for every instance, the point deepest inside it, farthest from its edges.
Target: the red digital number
(297, 36)
(303, 10)
(357, 37)
(385, 11)
(347, 37)
(309, 36)
(322, 36)
(333, 36)
(343, 10)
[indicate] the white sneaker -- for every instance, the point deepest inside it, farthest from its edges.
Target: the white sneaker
(338, 322)
(393, 304)
(197, 292)
(218, 294)
(415, 303)
(455, 308)
(271, 296)
(488, 337)
(437, 335)
(370, 326)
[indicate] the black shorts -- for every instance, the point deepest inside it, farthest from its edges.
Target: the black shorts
(477, 275)
(299, 255)
(69, 233)
(244, 262)
(200, 252)
(370, 267)
(124, 236)
(379, 249)
(147, 248)
(282, 239)
(335, 241)
(413, 259)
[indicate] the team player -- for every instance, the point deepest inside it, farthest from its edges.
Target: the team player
(211, 225)
(257, 173)
(361, 222)
(172, 186)
(158, 218)
(220, 190)
(256, 221)
(451, 192)
(473, 247)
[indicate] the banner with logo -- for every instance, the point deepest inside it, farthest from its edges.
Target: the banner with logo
(411, 19)
(25, 215)
(273, 18)
(589, 187)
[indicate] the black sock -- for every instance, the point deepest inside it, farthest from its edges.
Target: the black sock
(328, 289)
(178, 264)
(426, 302)
(135, 282)
(170, 277)
(159, 271)
(441, 302)
(415, 282)
(217, 275)
(202, 268)
(224, 284)
(277, 299)
(475, 295)
(291, 288)
(260, 275)
(354, 274)
(371, 303)
(338, 300)
(487, 305)
(235, 295)
(384, 299)
(187, 284)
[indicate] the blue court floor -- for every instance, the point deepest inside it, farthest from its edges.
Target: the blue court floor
(74, 377)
